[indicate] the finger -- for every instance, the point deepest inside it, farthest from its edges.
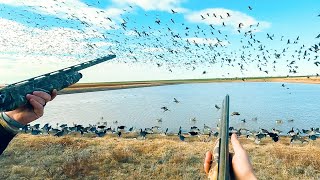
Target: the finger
(37, 107)
(54, 94)
(237, 147)
(36, 98)
(207, 162)
(43, 95)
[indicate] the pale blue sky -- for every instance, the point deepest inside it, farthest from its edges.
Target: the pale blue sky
(42, 36)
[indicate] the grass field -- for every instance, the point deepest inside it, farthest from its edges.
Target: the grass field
(156, 157)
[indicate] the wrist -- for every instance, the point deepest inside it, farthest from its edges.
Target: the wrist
(17, 117)
(11, 121)
(11, 129)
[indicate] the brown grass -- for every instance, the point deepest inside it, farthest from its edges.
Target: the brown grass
(157, 157)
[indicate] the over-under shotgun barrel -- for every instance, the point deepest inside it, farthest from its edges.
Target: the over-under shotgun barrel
(220, 170)
(223, 168)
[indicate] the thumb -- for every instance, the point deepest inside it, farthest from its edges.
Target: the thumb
(237, 147)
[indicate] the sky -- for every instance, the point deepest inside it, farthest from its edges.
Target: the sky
(152, 39)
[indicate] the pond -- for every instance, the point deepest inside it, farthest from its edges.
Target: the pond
(261, 105)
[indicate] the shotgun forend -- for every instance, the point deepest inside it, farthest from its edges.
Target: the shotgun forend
(14, 95)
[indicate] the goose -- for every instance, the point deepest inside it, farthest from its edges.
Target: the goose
(59, 133)
(175, 100)
(181, 137)
(119, 133)
(194, 129)
(35, 131)
(309, 132)
(193, 133)
(165, 132)
(216, 134)
(121, 127)
(102, 126)
(292, 132)
(100, 133)
(297, 139)
(235, 114)
(260, 135)
(143, 134)
(313, 137)
(274, 136)
(25, 128)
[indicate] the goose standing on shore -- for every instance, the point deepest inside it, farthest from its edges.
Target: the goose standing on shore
(297, 139)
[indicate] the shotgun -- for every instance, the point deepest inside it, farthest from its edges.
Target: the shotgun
(14, 95)
(221, 151)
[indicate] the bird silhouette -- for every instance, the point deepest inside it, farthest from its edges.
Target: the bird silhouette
(175, 100)
(173, 12)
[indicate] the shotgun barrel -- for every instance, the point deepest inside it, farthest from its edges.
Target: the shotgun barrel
(223, 167)
(220, 170)
(14, 95)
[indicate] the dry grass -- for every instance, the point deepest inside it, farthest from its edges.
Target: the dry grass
(157, 157)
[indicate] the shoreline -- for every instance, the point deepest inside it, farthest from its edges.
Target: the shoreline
(103, 86)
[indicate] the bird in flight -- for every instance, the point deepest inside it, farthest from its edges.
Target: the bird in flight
(175, 100)
(216, 106)
(173, 12)
(235, 114)
(250, 8)
(164, 108)
(240, 25)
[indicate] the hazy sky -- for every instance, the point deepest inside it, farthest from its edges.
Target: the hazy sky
(153, 39)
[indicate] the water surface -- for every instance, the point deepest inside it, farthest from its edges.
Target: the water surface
(141, 107)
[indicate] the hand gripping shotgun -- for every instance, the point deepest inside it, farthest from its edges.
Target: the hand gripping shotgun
(220, 171)
(14, 95)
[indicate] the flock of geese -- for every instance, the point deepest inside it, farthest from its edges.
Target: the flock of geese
(101, 130)
(170, 42)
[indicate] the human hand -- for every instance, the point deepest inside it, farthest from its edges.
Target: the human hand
(241, 166)
(26, 114)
